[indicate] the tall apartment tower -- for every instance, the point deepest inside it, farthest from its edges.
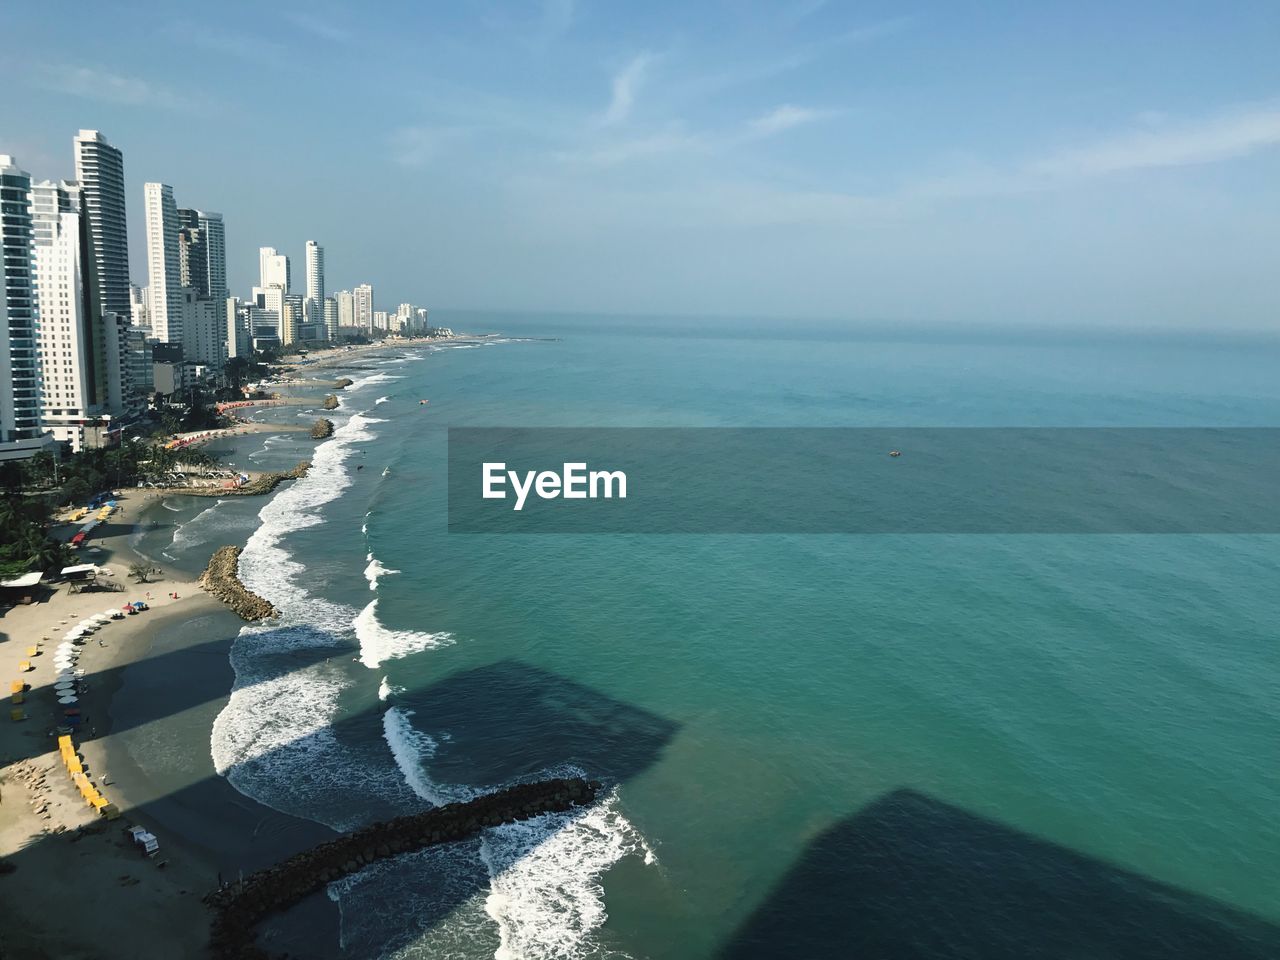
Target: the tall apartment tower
(314, 310)
(346, 304)
(68, 363)
(331, 318)
(216, 247)
(20, 432)
(100, 174)
(193, 252)
(363, 295)
(273, 269)
(164, 284)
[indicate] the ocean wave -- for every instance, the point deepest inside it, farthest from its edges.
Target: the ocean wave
(385, 689)
(545, 890)
(381, 400)
(371, 379)
(168, 506)
(208, 524)
(275, 730)
(379, 643)
(412, 749)
(375, 569)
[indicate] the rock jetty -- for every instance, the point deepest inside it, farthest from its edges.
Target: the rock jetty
(321, 428)
(330, 402)
(239, 907)
(343, 383)
(221, 578)
(263, 484)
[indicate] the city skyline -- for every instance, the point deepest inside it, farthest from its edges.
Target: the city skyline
(1001, 164)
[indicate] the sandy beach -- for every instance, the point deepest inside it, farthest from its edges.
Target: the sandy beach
(75, 885)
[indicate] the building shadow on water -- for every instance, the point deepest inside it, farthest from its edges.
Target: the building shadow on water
(913, 878)
(504, 722)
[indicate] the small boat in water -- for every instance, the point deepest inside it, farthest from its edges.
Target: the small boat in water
(423, 403)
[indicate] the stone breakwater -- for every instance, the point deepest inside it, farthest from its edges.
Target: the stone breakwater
(221, 579)
(343, 383)
(238, 908)
(330, 402)
(321, 428)
(263, 484)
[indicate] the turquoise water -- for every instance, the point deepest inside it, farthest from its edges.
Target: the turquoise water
(890, 746)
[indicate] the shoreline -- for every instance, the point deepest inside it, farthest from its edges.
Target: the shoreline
(153, 684)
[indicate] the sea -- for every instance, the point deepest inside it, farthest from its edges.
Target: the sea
(820, 745)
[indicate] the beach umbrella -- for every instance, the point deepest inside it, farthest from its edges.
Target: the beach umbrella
(70, 698)
(109, 614)
(101, 617)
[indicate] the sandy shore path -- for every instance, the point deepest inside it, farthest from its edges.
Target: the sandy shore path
(153, 684)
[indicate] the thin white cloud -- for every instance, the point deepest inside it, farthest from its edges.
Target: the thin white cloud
(626, 84)
(1155, 142)
(93, 84)
(783, 118)
(615, 153)
(1225, 136)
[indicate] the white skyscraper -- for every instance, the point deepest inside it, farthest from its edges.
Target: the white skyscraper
(20, 432)
(346, 303)
(69, 371)
(273, 269)
(100, 174)
(314, 311)
(166, 307)
(363, 295)
(331, 318)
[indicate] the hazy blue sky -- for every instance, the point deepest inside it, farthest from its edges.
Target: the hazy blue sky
(1073, 162)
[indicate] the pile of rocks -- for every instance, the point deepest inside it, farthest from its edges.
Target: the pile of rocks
(321, 428)
(343, 383)
(330, 402)
(238, 908)
(221, 579)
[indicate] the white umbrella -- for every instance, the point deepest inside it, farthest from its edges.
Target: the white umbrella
(64, 688)
(109, 613)
(101, 617)
(74, 635)
(68, 699)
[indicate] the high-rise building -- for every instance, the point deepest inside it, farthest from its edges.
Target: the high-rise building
(193, 252)
(100, 174)
(273, 269)
(216, 245)
(165, 309)
(363, 295)
(331, 318)
(381, 320)
(20, 432)
(266, 314)
(239, 333)
(314, 311)
(204, 330)
(346, 308)
(70, 394)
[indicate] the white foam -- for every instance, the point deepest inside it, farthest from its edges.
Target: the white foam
(411, 749)
(384, 690)
(375, 569)
(372, 379)
(545, 894)
(275, 730)
(381, 400)
(379, 643)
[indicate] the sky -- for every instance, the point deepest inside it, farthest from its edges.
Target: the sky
(1082, 163)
